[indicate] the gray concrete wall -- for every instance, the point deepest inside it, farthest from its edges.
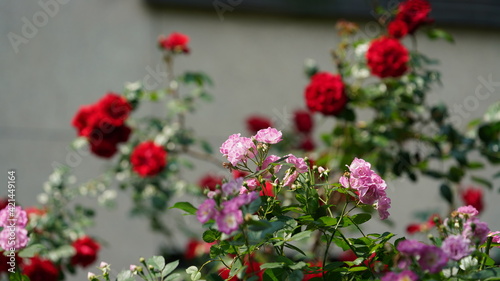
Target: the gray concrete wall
(87, 48)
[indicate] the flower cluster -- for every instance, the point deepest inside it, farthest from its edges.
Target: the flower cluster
(224, 206)
(103, 124)
(14, 235)
(148, 159)
(369, 186)
(461, 235)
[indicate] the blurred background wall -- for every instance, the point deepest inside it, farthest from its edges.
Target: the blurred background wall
(85, 48)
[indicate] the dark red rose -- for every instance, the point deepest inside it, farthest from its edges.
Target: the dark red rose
(267, 190)
(41, 270)
(86, 251)
(105, 138)
(325, 93)
(474, 197)
(85, 119)
(414, 228)
(4, 266)
(307, 144)
(256, 123)
(210, 182)
(397, 29)
(148, 159)
(414, 13)
(387, 57)
(303, 120)
(113, 109)
(175, 42)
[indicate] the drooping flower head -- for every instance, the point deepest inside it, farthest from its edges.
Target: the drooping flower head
(326, 94)
(148, 159)
(176, 42)
(387, 57)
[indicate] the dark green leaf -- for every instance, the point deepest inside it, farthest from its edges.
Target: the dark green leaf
(484, 274)
(446, 193)
(482, 181)
(185, 206)
(436, 33)
(211, 235)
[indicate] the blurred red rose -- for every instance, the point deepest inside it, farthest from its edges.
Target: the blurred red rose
(304, 122)
(210, 182)
(195, 248)
(239, 174)
(256, 123)
(307, 144)
(104, 140)
(148, 159)
(175, 42)
(253, 269)
(311, 274)
(325, 93)
(267, 190)
(86, 251)
(85, 120)
(414, 13)
(397, 29)
(41, 270)
(113, 109)
(474, 197)
(387, 57)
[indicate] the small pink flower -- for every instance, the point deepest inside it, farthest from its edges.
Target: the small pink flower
(20, 241)
(265, 164)
(19, 217)
(252, 184)
(229, 220)
(238, 149)
(206, 211)
(299, 166)
(405, 275)
(383, 204)
(232, 187)
(468, 210)
(456, 247)
(476, 230)
(269, 135)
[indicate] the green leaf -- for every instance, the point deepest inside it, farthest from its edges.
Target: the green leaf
(301, 235)
(482, 181)
(361, 218)
(290, 246)
(273, 274)
(185, 206)
(18, 276)
(125, 275)
(455, 174)
(296, 275)
(157, 262)
(171, 277)
(31, 251)
(206, 147)
(484, 274)
(475, 165)
(436, 33)
(272, 265)
(211, 235)
(169, 268)
(446, 193)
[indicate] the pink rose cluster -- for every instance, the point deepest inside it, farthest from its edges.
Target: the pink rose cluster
(238, 149)
(14, 236)
(465, 232)
(224, 206)
(369, 186)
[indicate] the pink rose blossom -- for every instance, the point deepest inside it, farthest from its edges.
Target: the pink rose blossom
(432, 258)
(496, 236)
(456, 247)
(270, 159)
(252, 184)
(232, 187)
(468, 210)
(405, 275)
(206, 211)
(238, 149)
(269, 135)
(230, 217)
(19, 219)
(383, 205)
(476, 230)
(20, 241)
(299, 166)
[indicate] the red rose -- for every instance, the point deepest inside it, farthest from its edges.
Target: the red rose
(256, 123)
(311, 274)
(175, 42)
(267, 190)
(86, 251)
(113, 109)
(397, 29)
(474, 197)
(210, 182)
(239, 174)
(303, 120)
(196, 248)
(41, 270)
(148, 159)
(85, 119)
(325, 93)
(414, 13)
(307, 144)
(387, 57)
(104, 139)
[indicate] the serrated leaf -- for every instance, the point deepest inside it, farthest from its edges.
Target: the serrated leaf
(185, 206)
